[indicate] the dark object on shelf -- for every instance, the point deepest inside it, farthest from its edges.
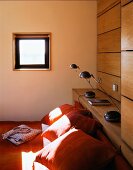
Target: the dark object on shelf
(89, 94)
(99, 102)
(87, 76)
(112, 116)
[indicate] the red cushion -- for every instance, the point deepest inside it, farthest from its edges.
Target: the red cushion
(101, 136)
(57, 128)
(86, 124)
(119, 162)
(75, 150)
(72, 119)
(78, 105)
(55, 114)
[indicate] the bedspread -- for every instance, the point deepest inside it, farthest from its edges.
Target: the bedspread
(11, 155)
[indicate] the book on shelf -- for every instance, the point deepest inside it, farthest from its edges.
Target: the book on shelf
(99, 102)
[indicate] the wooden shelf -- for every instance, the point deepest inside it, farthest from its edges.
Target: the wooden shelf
(112, 129)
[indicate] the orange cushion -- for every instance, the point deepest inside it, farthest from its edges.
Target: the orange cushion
(85, 123)
(75, 150)
(72, 119)
(119, 162)
(78, 105)
(57, 128)
(55, 114)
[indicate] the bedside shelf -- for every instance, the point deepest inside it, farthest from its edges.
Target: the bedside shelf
(112, 129)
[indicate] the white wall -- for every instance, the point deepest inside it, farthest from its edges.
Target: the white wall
(28, 95)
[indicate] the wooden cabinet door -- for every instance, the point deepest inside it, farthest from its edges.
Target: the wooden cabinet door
(107, 82)
(127, 74)
(126, 121)
(110, 41)
(103, 5)
(127, 27)
(109, 20)
(109, 63)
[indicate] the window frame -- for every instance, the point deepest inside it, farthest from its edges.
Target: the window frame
(31, 36)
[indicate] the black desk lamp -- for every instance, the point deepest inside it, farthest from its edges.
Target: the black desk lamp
(112, 116)
(74, 66)
(86, 75)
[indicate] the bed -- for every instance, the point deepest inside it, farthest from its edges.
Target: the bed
(11, 155)
(68, 141)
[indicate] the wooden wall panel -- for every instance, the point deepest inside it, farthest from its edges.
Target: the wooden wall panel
(127, 152)
(127, 74)
(110, 41)
(127, 80)
(127, 121)
(127, 27)
(124, 2)
(109, 20)
(109, 63)
(104, 5)
(107, 82)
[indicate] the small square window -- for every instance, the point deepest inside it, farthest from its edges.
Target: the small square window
(31, 51)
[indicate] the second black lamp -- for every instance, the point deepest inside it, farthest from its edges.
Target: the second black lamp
(86, 75)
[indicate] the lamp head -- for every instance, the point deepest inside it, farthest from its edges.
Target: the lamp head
(74, 66)
(85, 75)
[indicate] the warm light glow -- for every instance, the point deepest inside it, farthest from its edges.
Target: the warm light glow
(39, 166)
(55, 113)
(27, 160)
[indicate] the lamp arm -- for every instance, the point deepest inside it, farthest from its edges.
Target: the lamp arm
(94, 78)
(90, 83)
(105, 91)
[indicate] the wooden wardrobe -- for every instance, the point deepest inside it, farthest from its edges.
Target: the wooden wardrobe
(115, 61)
(127, 78)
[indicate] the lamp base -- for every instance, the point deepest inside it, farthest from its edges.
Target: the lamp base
(89, 94)
(112, 116)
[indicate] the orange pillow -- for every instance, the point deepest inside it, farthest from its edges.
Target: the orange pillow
(85, 123)
(72, 119)
(55, 114)
(57, 128)
(75, 150)
(78, 105)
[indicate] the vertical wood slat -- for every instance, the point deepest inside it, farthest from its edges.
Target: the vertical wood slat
(126, 80)
(126, 121)
(127, 152)
(127, 27)
(127, 74)
(107, 82)
(109, 63)
(109, 20)
(110, 41)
